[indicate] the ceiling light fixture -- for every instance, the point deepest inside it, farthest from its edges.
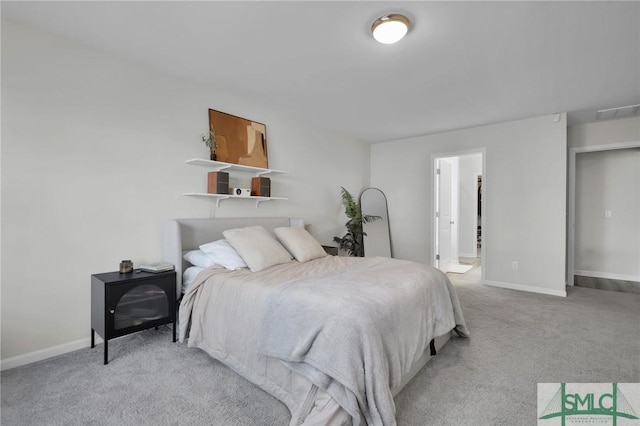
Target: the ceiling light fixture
(389, 29)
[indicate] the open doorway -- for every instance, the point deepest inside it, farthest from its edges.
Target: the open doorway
(458, 215)
(603, 214)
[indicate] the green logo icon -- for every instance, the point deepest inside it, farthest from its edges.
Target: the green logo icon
(586, 404)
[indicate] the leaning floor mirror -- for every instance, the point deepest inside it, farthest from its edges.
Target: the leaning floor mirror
(377, 241)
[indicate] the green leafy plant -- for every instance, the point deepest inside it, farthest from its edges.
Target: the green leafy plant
(351, 242)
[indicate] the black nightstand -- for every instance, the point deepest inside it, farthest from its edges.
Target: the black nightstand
(125, 303)
(333, 251)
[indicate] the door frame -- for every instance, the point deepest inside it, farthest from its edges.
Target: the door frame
(483, 219)
(452, 255)
(571, 216)
(475, 209)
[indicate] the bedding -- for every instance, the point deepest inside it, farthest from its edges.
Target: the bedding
(189, 276)
(300, 243)
(257, 247)
(199, 258)
(221, 253)
(334, 338)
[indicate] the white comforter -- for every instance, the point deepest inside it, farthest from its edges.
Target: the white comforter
(336, 334)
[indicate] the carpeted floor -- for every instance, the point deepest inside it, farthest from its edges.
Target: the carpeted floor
(518, 340)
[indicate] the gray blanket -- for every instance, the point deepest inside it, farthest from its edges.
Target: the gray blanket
(356, 334)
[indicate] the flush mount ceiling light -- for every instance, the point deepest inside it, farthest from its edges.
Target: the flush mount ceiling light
(389, 29)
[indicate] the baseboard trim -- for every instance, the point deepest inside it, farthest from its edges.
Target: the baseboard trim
(607, 275)
(39, 355)
(527, 288)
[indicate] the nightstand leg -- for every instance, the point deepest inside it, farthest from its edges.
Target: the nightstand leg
(106, 352)
(174, 331)
(93, 338)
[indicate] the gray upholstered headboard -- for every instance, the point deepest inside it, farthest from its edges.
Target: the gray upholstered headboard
(180, 235)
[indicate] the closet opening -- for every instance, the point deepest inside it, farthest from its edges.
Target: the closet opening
(604, 212)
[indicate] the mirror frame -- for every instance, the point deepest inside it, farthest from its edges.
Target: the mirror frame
(386, 207)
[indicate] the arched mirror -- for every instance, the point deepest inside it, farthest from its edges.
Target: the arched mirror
(377, 241)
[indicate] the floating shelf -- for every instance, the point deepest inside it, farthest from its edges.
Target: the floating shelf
(229, 167)
(221, 197)
(220, 165)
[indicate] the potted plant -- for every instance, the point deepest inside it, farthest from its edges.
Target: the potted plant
(209, 139)
(351, 242)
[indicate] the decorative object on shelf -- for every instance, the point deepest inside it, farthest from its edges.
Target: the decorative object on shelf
(218, 183)
(209, 139)
(240, 192)
(126, 266)
(238, 140)
(351, 242)
(261, 186)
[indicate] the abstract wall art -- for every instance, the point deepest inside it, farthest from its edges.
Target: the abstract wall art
(238, 140)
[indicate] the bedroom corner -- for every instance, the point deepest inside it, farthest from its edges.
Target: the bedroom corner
(93, 182)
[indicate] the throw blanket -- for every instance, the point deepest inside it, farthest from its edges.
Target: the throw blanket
(356, 332)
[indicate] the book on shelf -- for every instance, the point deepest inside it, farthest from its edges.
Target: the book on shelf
(157, 267)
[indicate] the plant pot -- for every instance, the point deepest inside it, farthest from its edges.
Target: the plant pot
(212, 156)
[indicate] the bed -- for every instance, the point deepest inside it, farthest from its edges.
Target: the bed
(334, 338)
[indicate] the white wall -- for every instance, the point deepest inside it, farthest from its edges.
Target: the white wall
(606, 258)
(524, 195)
(604, 132)
(469, 167)
(608, 245)
(93, 152)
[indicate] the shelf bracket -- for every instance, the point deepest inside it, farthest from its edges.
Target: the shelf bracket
(220, 199)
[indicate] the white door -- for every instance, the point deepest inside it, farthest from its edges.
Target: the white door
(443, 216)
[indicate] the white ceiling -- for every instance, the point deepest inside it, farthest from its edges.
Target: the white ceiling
(463, 64)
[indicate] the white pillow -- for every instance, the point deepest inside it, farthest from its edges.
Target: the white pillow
(258, 248)
(300, 243)
(188, 276)
(198, 258)
(222, 253)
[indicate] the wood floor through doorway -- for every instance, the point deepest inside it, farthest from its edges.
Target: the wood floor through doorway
(474, 275)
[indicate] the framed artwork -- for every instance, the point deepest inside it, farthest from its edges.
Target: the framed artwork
(238, 140)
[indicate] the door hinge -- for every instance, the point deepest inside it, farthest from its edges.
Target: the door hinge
(437, 257)
(437, 214)
(437, 171)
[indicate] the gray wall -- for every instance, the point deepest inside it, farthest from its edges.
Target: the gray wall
(93, 152)
(604, 132)
(525, 195)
